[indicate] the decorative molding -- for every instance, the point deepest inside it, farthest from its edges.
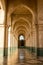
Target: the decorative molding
(40, 27)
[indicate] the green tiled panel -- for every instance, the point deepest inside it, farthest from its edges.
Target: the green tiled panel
(38, 51)
(5, 52)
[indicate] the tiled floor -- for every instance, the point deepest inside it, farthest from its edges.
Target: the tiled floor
(23, 57)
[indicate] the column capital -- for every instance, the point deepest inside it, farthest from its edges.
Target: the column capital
(7, 26)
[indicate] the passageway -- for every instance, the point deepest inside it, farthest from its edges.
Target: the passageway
(21, 41)
(21, 32)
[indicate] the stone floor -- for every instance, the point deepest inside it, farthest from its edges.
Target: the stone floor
(22, 57)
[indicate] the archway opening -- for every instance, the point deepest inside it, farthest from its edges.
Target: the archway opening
(21, 41)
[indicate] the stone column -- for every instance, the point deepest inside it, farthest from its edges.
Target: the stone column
(6, 41)
(34, 39)
(37, 38)
(5, 33)
(40, 46)
(11, 41)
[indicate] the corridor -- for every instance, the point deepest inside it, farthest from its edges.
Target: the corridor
(21, 32)
(23, 57)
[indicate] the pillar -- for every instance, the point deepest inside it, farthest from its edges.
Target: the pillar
(11, 42)
(37, 38)
(5, 32)
(40, 46)
(34, 40)
(6, 41)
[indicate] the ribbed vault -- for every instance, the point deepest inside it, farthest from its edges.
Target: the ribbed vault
(21, 27)
(21, 20)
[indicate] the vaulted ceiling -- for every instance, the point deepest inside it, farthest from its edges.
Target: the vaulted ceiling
(21, 15)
